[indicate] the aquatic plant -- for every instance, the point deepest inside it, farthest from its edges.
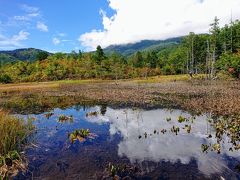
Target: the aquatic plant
(204, 148)
(63, 118)
(168, 119)
(231, 127)
(216, 147)
(103, 109)
(181, 119)
(209, 136)
(94, 113)
(121, 171)
(81, 135)
(188, 128)
(163, 131)
(175, 130)
(48, 115)
(213, 147)
(113, 170)
(145, 134)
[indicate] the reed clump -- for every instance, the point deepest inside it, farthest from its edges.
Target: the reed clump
(14, 135)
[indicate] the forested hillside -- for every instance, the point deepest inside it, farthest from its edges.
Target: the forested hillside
(27, 54)
(211, 54)
(145, 45)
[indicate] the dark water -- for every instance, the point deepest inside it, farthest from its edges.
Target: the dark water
(131, 139)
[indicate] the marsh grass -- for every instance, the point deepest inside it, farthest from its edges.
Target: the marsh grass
(218, 97)
(14, 133)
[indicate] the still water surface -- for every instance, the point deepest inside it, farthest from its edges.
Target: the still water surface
(133, 138)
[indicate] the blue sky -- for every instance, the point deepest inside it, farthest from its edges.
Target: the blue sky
(66, 25)
(53, 25)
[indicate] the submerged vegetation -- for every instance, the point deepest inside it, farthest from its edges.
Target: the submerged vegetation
(121, 171)
(14, 134)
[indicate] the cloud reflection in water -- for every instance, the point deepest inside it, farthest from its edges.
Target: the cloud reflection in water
(164, 147)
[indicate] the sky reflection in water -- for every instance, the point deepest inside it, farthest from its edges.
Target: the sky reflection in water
(128, 125)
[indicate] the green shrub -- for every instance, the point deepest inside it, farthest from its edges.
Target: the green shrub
(5, 79)
(168, 70)
(230, 63)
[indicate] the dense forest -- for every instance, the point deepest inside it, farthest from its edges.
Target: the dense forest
(210, 54)
(27, 54)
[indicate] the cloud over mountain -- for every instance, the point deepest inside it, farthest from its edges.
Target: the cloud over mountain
(135, 20)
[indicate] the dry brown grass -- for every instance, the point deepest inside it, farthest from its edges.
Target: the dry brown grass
(218, 97)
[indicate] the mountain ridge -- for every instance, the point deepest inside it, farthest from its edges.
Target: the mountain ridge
(23, 54)
(29, 54)
(143, 45)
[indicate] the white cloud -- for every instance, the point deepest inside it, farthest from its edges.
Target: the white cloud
(14, 41)
(27, 17)
(22, 35)
(136, 20)
(61, 34)
(66, 40)
(21, 18)
(34, 14)
(27, 20)
(42, 27)
(56, 41)
(59, 39)
(29, 9)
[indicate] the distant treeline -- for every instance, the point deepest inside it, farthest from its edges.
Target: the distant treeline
(210, 53)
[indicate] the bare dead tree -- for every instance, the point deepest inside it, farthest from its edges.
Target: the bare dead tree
(231, 33)
(208, 61)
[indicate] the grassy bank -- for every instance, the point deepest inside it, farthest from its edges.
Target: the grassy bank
(13, 136)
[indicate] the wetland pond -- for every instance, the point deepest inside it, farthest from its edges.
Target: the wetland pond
(127, 143)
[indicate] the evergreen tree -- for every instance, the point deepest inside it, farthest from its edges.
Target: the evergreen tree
(153, 59)
(99, 55)
(138, 60)
(42, 56)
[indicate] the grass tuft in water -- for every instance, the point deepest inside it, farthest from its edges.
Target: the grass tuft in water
(14, 133)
